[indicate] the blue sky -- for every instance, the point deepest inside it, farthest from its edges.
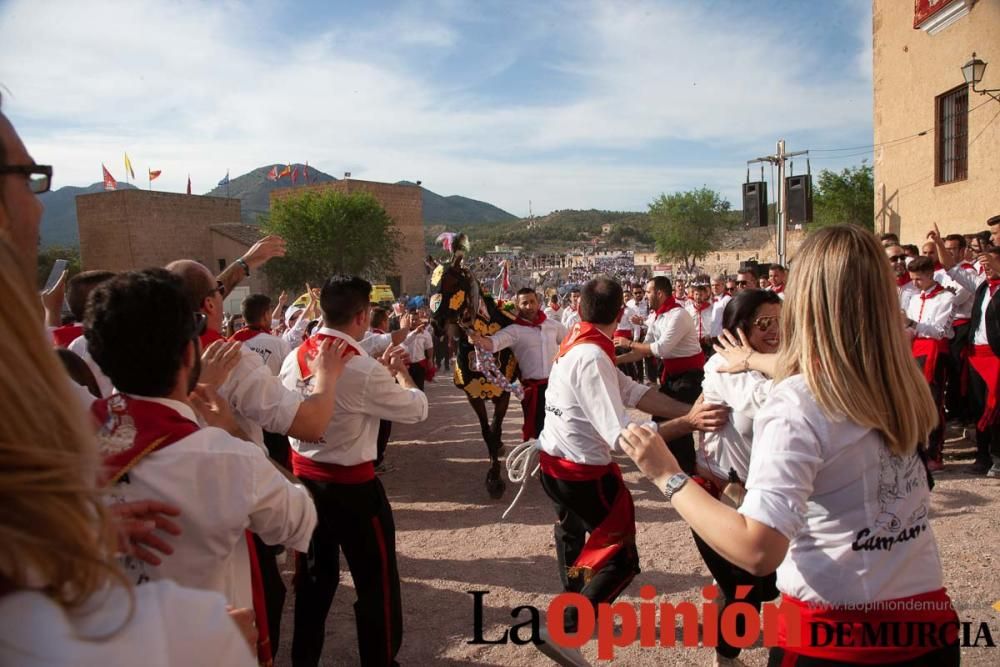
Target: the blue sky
(576, 104)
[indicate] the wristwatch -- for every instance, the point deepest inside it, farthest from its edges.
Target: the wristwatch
(246, 267)
(675, 484)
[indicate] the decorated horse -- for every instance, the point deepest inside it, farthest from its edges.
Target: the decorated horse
(459, 307)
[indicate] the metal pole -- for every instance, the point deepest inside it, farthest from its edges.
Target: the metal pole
(781, 218)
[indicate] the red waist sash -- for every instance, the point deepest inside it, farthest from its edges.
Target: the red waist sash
(860, 635)
(930, 349)
(303, 466)
(611, 535)
(679, 365)
(532, 392)
(959, 321)
(66, 334)
(987, 366)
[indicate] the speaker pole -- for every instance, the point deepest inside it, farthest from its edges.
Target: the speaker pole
(780, 157)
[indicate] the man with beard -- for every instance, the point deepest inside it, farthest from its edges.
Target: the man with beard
(904, 286)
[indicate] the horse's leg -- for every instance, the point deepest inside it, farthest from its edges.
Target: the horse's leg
(494, 482)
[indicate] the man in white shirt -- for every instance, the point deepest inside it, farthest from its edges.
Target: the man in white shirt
(143, 333)
(640, 313)
(699, 307)
(904, 285)
(256, 335)
(587, 398)
(929, 317)
(535, 339)
(956, 397)
(419, 348)
(354, 513)
(553, 310)
(673, 339)
(720, 297)
(777, 275)
(571, 313)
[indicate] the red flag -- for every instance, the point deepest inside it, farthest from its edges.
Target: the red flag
(189, 183)
(154, 174)
(273, 174)
(295, 173)
(305, 172)
(109, 181)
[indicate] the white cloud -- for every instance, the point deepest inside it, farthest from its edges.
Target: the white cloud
(205, 86)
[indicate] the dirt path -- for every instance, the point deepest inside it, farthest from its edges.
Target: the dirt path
(450, 541)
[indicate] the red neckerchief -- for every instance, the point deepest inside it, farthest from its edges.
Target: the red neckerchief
(937, 289)
(66, 334)
(779, 289)
(668, 304)
(967, 266)
(131, 429)
(704, 305)
(994, 284)
(903, 279)
(938, 266)
(555, 308)
(310, 348)
(585, 332)
(246, 333)
(537, 322)
(209, 337)
(377, 332)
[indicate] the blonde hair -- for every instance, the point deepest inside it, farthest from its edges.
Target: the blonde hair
(841, 331)
(54, 529)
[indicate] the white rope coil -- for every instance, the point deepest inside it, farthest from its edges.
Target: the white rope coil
(521, 459)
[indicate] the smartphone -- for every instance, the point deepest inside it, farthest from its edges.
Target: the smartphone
(57, 270)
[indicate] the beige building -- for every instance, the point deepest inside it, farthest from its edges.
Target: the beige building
(937, 143)
(404, 204)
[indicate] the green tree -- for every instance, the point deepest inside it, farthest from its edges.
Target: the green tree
(48, 256)
(328, 233)
(686, 225)
(848, 196)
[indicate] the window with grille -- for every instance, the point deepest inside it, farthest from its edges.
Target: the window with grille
(952, 136)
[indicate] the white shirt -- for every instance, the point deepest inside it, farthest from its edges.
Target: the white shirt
(554, 313)
(971, 282)
(906, 293)
(366, 393)
(570, 317)
(836, 492)
(169, 625)
(295, 334)
(258, 399)
(80, 349)
(534, 347)
(223, 487)
(640, 308)
(672, 335)
(718, 311)
(272, 350)
(585, 406)
(744, 394)
(702, 318)
(933, 316)
(375, 343)
(416, 345)
(964, 297)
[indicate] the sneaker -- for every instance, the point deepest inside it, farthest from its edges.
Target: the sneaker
(979, 467)
(567, 657)
(934, 465)
(994, 471)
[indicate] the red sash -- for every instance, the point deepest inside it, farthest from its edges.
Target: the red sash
(933, 608)
(532, 392)
(537, 322)
(585, 332)
(930, 349)
(209, 337)
(246, 333)
(987, 366)
(679, 365)
(611, 535)
(66, 334)
(310, 348)
(319, 471)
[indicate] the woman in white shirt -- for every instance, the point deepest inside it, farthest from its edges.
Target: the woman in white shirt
(837, 498)
(63, 598)
(724, 457)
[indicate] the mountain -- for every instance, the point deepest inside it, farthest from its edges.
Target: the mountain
(59, 219)
(253, 189)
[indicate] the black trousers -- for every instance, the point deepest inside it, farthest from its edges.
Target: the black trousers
(686, 388)
(946, 656)
(728, 577)
(277, 448)
(274, 590)
(988, 441)
(580, 508)
(935, 441)
(419, 374)
(955, 402)
(384, 431)
(355, 519)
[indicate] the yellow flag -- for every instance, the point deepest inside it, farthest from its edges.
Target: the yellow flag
(128, 166)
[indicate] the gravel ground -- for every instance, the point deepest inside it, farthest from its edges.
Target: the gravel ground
(450, 540)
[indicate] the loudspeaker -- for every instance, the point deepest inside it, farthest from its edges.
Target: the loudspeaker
(755, 204)
(799, 198)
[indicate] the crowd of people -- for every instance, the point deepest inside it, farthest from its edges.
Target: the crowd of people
(157, 468)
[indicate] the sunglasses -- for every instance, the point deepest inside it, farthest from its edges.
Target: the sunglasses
(39, 175)
(741, 283)
(898, 258)
(219, 287)
(765, 323)
(200, 324)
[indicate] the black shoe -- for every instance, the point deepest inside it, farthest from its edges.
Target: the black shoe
(980, 467)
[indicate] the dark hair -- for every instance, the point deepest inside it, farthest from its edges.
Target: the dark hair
(79, 288)
(911, 249)
(79, 371)
(740, 311)
(749, 269)
(889, 237)
(379, 316)
(554, 298)
(662, 284)
(995, 220)
(138, 325)
(922, 264)
(777, 266)
(957, 238)
(574, 290)
(255, 308)
(523, 291)
(601, 301)
(343, 297)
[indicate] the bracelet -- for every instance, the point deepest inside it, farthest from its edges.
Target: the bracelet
(246, 267)
(746, 362)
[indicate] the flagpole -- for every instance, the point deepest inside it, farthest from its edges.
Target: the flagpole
(227, 182)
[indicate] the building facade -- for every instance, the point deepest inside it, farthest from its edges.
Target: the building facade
(937, 143)
(404, 204)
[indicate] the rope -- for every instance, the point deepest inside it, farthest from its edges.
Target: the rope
(522, 458)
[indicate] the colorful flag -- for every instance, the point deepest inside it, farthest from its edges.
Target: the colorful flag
(154, 174)
(225, 181)
(285, 172)
(128, 167)
(295, 173)
(109, 181)
(189, 183)
(273, 174)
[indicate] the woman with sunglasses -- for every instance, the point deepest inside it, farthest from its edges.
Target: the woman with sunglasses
(724, 457)
(837, 497)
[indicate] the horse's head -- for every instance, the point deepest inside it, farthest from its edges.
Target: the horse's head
(455, 293)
